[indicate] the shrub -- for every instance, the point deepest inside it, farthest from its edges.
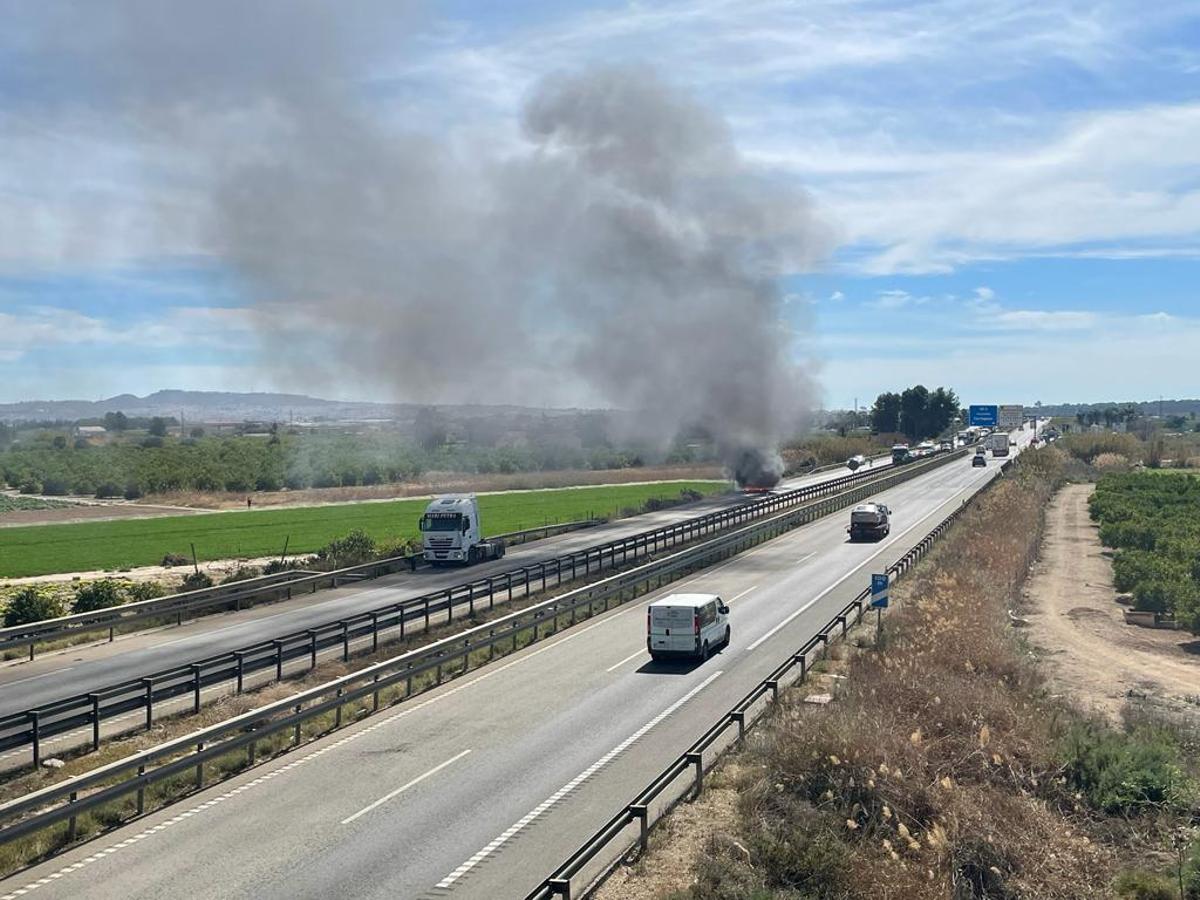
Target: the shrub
(356, 547)
(1111, 462)
(195, 581)
(144, 590)
(1124, 773)
(283, 565)
(29, 486)
(96, 595)
(31, 605)
(109, 489)
(242, 573)
(175, 559)
(133, 490)
(1141, 885)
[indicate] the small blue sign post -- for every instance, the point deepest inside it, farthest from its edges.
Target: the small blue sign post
(983, 416)
(879, 601)
(879, 591)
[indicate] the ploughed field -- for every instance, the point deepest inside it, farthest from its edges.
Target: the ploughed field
(248, 534)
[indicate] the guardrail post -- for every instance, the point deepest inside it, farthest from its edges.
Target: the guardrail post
(72, 831)
(148, 687)
(375, 694)
(471, 598)
(196, 699)
(241, 669)
(641, 812)
(697, 760)
(296, 733)
(199, 768)
(426, 613)
(141, 794)
(491, 592)
(35, 738)
(337, 715)
(312, 652)
(375, 631)
(559, 887)
(408, 682)
(803, 660)
(773, 687)
(740, 717)
(542, 566)
(278, 645)
(449, 605)
(111, 631)
(95, 700)
(345, 641)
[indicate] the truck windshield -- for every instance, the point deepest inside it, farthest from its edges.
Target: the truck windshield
(440, 521)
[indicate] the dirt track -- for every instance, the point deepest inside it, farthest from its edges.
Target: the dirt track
(1094, 657)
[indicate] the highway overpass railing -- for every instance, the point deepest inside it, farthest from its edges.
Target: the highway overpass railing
(122, 789)
(33, 726)
(631, 826)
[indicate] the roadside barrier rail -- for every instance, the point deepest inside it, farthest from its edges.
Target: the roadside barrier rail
(276, 586)
(694, 763)
(363, 692)
(31, 727)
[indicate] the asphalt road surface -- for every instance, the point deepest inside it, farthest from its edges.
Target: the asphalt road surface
(74, 671)
(481, 787)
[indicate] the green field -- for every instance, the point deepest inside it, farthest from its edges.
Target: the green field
(86, 546)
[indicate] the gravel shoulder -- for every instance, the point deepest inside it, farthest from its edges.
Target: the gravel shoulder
(1092, 656)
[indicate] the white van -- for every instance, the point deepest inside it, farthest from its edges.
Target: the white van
(686, 625)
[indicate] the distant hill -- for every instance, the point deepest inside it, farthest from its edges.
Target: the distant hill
(222, 406)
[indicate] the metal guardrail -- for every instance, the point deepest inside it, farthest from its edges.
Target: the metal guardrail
(742, 716)
(30, 727)
(427, 667)
(278, 585)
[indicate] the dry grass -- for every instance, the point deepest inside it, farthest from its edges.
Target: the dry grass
(939, 770)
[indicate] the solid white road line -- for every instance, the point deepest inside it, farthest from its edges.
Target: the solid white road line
(571, 785)
(755, 645)
(806, 557)
(744, 593)
(400, 790)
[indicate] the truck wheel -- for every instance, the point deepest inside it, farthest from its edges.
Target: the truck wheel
(472, 556)
(727, 636)
(704, 651)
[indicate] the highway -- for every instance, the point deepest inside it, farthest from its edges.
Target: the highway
(82, 669)
(480, 787)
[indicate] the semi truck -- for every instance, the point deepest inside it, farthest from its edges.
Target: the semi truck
(451, 532)
(900, 454)
(869, 522)
(998, 443)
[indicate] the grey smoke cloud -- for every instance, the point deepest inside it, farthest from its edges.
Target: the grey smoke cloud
(623, 253)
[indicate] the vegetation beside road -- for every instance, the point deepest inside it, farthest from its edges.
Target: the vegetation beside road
(944, 767)
(1153, 522)
(115, 545)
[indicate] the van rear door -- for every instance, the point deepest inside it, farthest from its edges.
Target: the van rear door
(672, 628)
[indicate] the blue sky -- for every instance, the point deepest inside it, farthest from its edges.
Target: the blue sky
(1014, 187)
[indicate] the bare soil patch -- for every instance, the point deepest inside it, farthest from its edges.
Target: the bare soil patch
(91, 513)
(1093, 657)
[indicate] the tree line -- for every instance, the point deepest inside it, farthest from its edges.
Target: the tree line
(51, 465)
(915, 412)
(1153, 522)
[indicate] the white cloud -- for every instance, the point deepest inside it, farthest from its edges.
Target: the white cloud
(837, 297)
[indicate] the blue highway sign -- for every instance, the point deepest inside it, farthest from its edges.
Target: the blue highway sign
(983, 416)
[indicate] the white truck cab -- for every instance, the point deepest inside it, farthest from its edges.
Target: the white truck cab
(451, 532)
(686, 625)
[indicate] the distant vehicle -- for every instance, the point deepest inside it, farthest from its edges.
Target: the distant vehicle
(855, 462)
(869, 522)
(1012, 443)
(686, 625)
(900, 454)
(998, 444)
(925, 448)
(451, 532)
(980, 458)
(945, 446)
